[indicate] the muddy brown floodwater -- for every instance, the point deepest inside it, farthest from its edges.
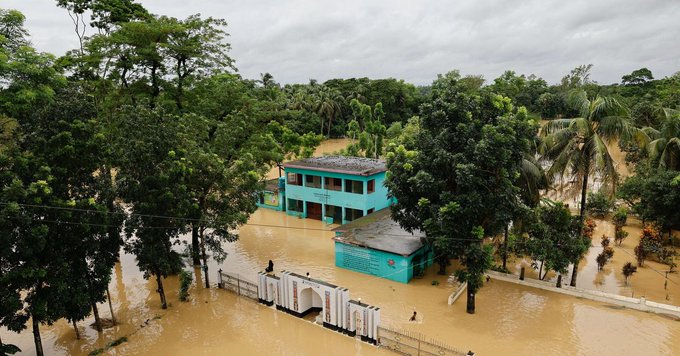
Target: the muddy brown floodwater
(510, 319)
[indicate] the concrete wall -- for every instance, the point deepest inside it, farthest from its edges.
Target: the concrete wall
(379, 263)
(300, 295)
(633, 303)
(280, 198)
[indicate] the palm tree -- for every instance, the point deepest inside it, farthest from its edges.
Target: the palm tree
(327, 105)
(577, 147)
(663, 146)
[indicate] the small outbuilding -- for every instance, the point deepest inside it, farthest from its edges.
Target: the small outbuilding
(376, 245)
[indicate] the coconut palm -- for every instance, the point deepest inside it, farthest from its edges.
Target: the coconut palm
(327, 105)
(663, 145)
(577, 147)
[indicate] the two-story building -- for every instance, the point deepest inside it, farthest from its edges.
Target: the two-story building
(335, 189)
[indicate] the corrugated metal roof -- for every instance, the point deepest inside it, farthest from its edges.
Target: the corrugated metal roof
(340, 164)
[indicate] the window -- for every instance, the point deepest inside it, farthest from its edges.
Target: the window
(354, 186)
(295, 205)
(334, 212)
(312, 181)
(353, 214)
(371, 186)
(332, 183)
(369, 211)
(294, 178)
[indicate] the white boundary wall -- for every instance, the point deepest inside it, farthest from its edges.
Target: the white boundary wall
(641, 304)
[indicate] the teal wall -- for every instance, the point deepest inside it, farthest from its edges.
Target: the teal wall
(374, 262)
(281, 201)
(376, 200)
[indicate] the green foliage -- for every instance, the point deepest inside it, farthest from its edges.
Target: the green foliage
(366, 130)
(524, 91)
(598, 204)
(620, 216)
(637, 77)
(654, 197)
(628, 270)
(554, 238)
(435, 282)
(185, 280)
(576, 147)
(457, 184)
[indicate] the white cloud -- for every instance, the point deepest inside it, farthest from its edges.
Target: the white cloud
(296, 40)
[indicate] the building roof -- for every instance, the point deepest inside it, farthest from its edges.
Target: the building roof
(340, 164)
(271, 185)
(379, 232)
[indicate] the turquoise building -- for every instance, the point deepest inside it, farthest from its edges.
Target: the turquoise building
(273, 196)
(377, 245)
(335, 189)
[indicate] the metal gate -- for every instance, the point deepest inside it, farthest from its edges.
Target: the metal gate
(238, 285)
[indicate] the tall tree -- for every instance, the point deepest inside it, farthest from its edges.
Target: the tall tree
(577, 147)
(663, 144)
(458, 185)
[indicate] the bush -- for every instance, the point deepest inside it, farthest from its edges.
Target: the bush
(185, 279)
(598, 204)
(588, 228)
(620, 235)
(628, 270)
(435, 282)
(620, 217)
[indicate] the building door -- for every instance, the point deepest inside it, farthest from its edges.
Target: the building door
(313, 210)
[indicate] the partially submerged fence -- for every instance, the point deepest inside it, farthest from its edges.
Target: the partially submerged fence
(238, 285)
(399, 341)
(412, 343)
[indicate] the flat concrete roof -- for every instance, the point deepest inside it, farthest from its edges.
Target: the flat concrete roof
(379, 232)
(340, 164)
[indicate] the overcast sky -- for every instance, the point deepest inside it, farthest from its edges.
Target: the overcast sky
(296, 40)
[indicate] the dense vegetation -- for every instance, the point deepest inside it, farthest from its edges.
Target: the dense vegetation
(146, 132)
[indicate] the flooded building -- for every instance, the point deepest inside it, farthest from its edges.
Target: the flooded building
(334, 189)
(377, 245)
(273, 196)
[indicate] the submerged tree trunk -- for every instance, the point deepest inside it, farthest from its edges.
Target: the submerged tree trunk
(205, 257)
(161, 291)
(540, 270)
(195, 250)
(505, 248)
(36, 338)
(75, 327)
(584, 191)
(470, 302)
(108, 297)
(559, 281)
(442, 265)
(97, 320)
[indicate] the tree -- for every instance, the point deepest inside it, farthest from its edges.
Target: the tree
(598, 204)
(326, 105)
(577, 147)
(628, 270)
(553, 238)
(655, 197)
(152, 179)
(663, 144)
(619, 219)
(369, 141)
(457, 185)
(637, 77)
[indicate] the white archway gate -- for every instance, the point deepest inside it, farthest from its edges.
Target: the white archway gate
(299, 295)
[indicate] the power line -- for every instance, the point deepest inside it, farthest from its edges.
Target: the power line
(206, 223)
